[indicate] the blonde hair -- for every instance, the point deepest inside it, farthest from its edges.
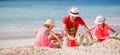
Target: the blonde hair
(46, 25)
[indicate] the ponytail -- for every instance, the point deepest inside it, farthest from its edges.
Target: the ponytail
(103, 25)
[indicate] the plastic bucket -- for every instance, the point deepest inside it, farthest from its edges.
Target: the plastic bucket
(71, 43)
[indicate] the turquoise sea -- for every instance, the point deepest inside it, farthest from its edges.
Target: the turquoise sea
(20, 15)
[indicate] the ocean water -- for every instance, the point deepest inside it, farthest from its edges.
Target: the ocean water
(30, 15)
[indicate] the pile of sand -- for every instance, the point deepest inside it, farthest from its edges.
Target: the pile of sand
(107, 47)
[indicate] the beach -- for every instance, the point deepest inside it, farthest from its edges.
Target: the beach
(107, 47)
(21, 43)
(19, 21)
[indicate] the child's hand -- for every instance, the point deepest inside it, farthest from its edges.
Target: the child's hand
(95, 40)
(115, 34)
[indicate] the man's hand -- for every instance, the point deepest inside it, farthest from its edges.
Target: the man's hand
(71, 37)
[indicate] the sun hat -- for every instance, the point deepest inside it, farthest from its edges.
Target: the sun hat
(74, 12)
(100, 19)
(50, 22)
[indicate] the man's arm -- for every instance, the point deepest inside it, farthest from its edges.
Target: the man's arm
(88, 32)
(65, 32)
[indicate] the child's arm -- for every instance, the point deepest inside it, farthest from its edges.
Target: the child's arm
(92, 28)
(115, 33)
(36, 31)
(54, 35)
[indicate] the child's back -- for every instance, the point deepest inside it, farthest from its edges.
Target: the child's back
(42, 37)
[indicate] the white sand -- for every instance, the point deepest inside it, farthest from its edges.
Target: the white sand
(108, 47)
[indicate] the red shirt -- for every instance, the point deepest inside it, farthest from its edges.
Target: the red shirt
(101, 33)
(72, 27)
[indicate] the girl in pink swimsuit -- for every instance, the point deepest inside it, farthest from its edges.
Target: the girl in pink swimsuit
(101, 28)
(44, 34)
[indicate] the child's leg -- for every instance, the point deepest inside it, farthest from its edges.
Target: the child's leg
(52, 39)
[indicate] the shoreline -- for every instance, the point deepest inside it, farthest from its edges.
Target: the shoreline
(11, 35)
(16, 42)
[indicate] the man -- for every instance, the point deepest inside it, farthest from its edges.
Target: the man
(72, 22)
